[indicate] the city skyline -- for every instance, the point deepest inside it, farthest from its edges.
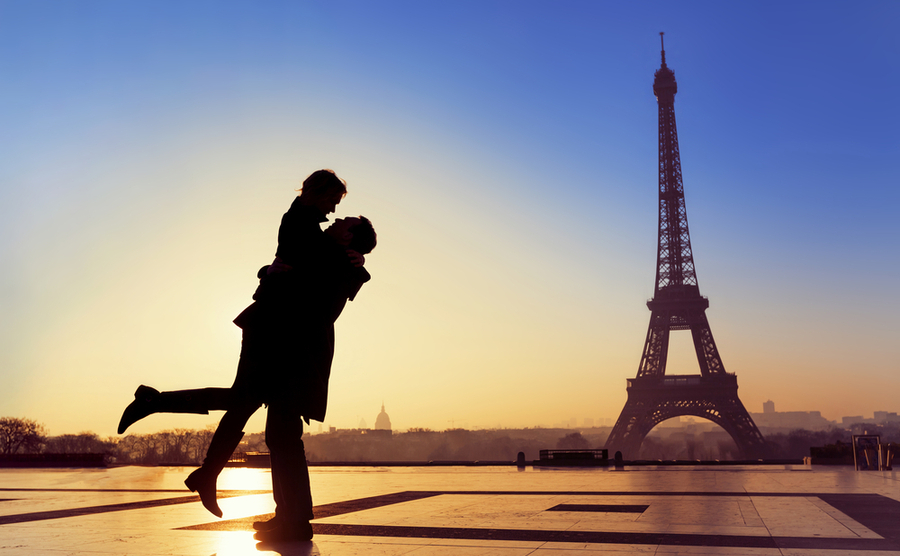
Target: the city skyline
(794, 419)
(506, 154)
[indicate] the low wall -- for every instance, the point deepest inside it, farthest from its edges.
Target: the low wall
(53, 460)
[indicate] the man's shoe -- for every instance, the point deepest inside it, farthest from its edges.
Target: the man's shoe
(267, 525)
(286, 533)
(145, 403)
(203, 483)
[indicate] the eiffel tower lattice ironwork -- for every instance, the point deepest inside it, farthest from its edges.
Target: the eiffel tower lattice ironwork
(677, 304)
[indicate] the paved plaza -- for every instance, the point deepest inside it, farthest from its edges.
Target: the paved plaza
(496, 511)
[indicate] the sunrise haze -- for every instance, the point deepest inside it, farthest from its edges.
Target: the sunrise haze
(506, 153)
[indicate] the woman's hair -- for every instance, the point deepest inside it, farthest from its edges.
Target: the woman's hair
(363, 240)
(322, 183)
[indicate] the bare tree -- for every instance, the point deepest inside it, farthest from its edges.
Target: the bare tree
(198, 444)
(573, 441)
(137, 448)
(82, 443)
(20, 435)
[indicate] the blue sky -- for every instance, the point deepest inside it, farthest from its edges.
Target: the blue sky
(506, 152)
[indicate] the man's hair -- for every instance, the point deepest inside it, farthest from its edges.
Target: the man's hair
(322, 183)
(363, 240)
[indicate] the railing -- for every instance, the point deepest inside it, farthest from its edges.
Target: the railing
(250, 459)
(574, 455)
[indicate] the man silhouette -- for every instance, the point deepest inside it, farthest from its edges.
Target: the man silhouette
(298, 392)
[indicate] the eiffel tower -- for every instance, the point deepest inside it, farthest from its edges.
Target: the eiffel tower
(677, 304)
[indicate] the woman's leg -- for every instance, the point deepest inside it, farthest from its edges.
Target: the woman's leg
(148, 401)
(240, 401)
(224, 441)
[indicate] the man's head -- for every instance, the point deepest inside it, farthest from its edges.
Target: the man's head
(323, 190)
(353, 233)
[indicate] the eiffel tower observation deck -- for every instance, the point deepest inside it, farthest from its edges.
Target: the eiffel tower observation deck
(677, 304)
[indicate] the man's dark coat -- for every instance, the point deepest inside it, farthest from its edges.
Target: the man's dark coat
(288, 331)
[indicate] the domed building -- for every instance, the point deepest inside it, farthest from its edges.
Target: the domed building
(382, 422)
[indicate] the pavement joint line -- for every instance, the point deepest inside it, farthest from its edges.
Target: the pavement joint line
(609, 508)
(607, 537)
(91, 510)
(874, 511)
(180, 490)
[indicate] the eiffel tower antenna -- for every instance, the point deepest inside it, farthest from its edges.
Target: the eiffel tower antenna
(662, 47)
(677, 304)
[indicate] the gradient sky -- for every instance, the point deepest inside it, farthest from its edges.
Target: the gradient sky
(506, 152)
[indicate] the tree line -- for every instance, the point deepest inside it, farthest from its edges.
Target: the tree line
(188, 446)
(177, 447)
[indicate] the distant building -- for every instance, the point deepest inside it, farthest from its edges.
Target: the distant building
(363, 424)
(883, 417)
(382, 422)
(809, 420)
(847, 421)
(879, 418)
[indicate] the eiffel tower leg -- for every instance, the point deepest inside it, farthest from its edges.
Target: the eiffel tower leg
(737, 422)
(628, 435)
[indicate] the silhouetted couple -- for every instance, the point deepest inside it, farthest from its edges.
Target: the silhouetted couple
(286, 354)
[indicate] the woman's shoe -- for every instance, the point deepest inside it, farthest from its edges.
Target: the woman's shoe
(203, 483)
(145, 403)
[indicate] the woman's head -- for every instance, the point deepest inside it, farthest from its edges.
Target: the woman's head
(323, 190)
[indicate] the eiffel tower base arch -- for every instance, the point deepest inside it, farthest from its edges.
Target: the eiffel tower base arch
(654, 400)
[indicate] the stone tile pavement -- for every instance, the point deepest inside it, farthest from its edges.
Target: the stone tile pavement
(427, 511)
